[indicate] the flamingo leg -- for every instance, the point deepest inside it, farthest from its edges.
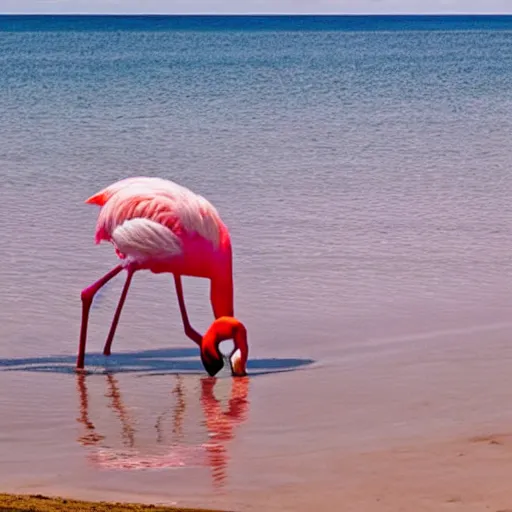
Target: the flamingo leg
(189, 330)
(117, 315)
(87, 295)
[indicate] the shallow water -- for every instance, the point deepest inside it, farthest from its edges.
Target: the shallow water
(365, 179)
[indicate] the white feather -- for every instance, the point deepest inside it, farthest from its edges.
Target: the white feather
(143, 238)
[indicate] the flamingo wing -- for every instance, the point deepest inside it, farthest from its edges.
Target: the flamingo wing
(150, 218)
(144, 239)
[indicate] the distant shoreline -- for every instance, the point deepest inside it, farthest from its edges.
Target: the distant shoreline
(259, 15)
(254, 22)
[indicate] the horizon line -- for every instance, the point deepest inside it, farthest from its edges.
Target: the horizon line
(268, 14)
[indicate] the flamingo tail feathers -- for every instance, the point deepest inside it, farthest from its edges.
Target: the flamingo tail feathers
(99, 199)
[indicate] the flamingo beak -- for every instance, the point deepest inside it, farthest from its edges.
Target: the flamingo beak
(212, 365)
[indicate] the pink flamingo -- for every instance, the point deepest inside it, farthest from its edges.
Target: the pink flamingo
(158, 225)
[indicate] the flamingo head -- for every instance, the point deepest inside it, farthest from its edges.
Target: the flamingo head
(225, 328)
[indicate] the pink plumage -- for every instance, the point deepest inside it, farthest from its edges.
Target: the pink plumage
(158, 225)
(153, 221)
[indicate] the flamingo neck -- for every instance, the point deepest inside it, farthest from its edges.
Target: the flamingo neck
(221, 292)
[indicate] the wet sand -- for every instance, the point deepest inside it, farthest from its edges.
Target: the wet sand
(390, 426)
(460, 474)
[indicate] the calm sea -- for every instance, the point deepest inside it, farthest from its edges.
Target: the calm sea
(363, 165)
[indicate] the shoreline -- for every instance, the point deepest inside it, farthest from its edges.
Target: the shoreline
(42, 503)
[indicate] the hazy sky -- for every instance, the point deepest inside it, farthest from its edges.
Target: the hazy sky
(256, 6)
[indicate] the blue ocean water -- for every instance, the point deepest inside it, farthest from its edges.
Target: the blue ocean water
(362, 165)
(298, 23)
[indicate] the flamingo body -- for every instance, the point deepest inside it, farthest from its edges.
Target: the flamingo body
(158, 225)
(162, 226)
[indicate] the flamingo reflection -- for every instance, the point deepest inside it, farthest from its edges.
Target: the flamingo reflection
(220, 425)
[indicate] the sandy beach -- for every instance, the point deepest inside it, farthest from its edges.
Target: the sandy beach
(461, 475)
(40, 503)
(428, 430)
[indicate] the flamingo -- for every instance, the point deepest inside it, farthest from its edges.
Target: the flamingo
(155, 224)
